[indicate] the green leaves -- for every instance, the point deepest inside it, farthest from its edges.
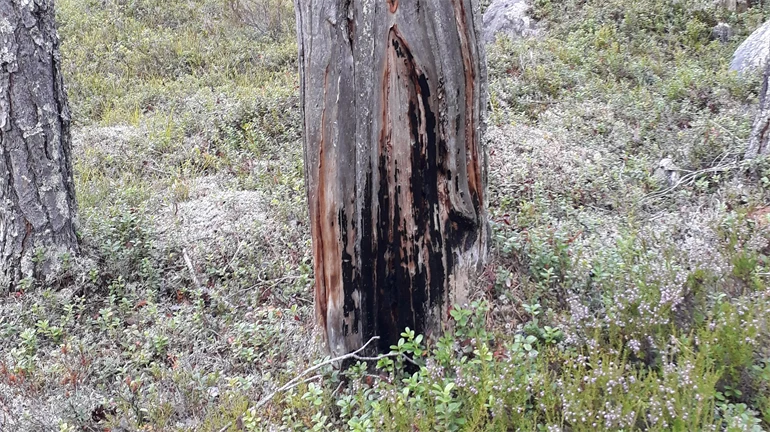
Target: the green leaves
(409, 344)
(447, 407)
(524, 345)
(314, 394)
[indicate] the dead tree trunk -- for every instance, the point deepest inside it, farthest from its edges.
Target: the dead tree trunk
(37, 194)
(760, 134)
(393, 96)
(735, 5)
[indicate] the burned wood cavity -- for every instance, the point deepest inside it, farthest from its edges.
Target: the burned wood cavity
(393, 97)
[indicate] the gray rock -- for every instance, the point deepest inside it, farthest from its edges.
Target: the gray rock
(722, 32)
(508, 17)
(667, 173)
(754, 52)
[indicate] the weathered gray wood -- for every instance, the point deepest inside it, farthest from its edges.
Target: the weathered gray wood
(760, 133)
(734, 5)
(37, 194)
(393, 94)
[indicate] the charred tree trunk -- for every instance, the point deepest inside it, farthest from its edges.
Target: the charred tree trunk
(393, 94)
(37, 196)
(760, 134)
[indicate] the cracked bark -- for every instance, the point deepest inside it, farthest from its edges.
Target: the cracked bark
(393, 96)
(758, 140)
(37, 195)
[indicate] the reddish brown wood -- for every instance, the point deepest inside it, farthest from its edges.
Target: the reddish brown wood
(393, 96)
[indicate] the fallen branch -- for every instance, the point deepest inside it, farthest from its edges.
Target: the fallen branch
(191, 268)
(235, 255)
(294, 382)
(204, 292)
(689, 178)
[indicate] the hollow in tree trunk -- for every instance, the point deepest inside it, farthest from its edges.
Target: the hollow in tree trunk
(37, 196)
(393, 96)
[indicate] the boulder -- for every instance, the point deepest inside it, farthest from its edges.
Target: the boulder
(722, 32)
(509, 18)
(754, 52)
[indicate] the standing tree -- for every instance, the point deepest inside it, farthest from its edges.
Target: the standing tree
(760, 133)
(37, 195)
(393, 96)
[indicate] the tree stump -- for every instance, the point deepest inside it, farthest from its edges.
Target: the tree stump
(394, 98)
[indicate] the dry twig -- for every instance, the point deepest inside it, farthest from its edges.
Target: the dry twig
(689, 178)
(191, 268)
(294, 382)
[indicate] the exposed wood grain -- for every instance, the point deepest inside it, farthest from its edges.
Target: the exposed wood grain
(393, 97)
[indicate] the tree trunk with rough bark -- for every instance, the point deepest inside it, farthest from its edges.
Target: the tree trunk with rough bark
(760, 133)
(394, 98)
(37, 194)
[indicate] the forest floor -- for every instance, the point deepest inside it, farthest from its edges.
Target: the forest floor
(621, 295)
